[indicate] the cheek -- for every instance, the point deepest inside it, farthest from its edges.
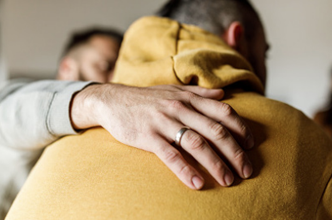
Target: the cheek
(90, 72)
(89, 69)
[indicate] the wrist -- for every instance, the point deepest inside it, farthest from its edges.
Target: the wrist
(83, 108)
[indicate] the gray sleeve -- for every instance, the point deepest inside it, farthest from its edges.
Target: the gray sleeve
(33, 115)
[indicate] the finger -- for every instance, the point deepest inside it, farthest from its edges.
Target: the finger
(199, 148)
(226, 115)
(173, 159)
(216, 94)
(220, 138)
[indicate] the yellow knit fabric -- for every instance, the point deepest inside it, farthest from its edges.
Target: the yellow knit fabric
(93, 176)
(166, 52)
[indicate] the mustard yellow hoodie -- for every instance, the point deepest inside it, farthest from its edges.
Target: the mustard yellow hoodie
(92, 176)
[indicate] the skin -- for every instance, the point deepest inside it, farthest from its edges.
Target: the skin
(163, 110)
(102, 55)
(94, 61)
(254, 50)
(258, 50)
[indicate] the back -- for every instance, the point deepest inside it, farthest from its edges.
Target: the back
(92, 176)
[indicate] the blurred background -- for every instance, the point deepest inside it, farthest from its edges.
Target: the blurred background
(33, 33)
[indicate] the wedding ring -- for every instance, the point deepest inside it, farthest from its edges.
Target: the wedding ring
(179, 135)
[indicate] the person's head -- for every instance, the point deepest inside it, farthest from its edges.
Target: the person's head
(329, 107)
(90, 55)
(235, 21)
(331, 80)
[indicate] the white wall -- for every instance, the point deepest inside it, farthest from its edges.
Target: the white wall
(299, 31)
(35, 31)
(3, 73)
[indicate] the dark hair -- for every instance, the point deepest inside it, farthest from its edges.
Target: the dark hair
(81, 37)
(329, 108)
(329, 112)
(214, 16)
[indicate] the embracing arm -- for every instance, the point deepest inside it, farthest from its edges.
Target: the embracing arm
(149, 119)
(34, 114)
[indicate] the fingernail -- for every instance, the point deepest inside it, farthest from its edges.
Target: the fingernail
(247, 170)
(250, 142)
(228, 178)
(198, 182)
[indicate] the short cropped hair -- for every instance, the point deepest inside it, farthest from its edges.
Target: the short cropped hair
(329, 107)
(82, 37)
(214, 16)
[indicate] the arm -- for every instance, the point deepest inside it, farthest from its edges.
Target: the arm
(37, 114)
(149, 118)
(33, 115)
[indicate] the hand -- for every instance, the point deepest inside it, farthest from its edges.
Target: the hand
(149, 118)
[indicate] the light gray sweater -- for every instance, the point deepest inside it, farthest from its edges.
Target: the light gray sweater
(32, 115)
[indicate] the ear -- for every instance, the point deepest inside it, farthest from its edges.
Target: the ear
(234, 36)
(68, 69)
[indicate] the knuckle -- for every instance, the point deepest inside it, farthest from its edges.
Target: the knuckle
(195, 141)
(184, 170)
(245, 130)
(170, 156)
(176, 104)
(219, 131)
(189, 95)
(239, 155)
(219, 166)
(226, 109)
(160, 116)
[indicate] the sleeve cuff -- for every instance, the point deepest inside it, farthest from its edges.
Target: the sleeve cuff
(58, 118)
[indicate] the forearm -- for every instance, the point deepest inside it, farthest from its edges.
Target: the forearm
(33, 115)
(149, 119)
(84, 106)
